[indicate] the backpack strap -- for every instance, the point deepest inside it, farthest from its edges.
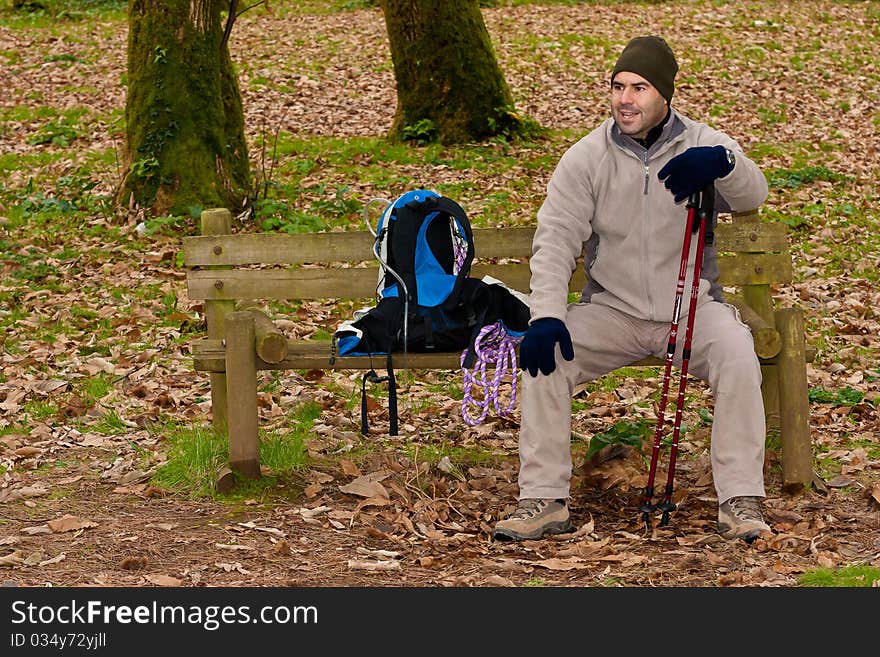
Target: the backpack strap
(392, 398)
(372, 377)
(406, 230)
(453, 209)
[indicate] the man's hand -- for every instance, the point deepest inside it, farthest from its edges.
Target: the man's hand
(538, 348)
(693, 170)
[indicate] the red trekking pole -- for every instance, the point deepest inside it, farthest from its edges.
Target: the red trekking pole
(701, 210)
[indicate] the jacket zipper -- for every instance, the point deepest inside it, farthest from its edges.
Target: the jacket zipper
(645, 267)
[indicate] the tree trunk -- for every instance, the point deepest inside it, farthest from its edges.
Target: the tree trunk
(449, 85)
(184, 124)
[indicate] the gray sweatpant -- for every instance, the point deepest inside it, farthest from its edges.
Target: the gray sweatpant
(604, 339)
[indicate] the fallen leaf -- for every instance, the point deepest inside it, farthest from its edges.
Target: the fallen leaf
(97, 364)
(11, 494)
(715, 559)
(840, 481)
(372, 501)
(498, 580)
(49, 386)
(12, 559)
(38, 529)
(268, 530)
(363, 487)
(235, 566)
(585, 530)
(60, 557)
(373, 565)
(320, 477)
(349, 468)
(875, 493)
(775, 516)
(163, 580)
(69, 523)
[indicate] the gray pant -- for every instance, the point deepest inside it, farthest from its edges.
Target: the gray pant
(604, 339)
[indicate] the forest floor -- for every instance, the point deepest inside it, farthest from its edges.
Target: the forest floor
(96, 375)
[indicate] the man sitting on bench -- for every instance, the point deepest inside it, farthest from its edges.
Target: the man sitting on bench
(619, 192)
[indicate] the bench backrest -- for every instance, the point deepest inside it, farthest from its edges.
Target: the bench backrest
(341, 265)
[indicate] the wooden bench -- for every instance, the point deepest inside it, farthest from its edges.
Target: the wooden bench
(224, 269)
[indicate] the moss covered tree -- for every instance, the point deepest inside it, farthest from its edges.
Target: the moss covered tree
(184, 125)
(449, 85)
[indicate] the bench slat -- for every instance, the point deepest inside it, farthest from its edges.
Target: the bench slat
(355, 246)
(324, 283)
(348, 246)
(210, 356)
(360, 283)
(756, 237)
(755, 269)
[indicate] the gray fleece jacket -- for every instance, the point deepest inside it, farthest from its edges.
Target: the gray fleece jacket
(605, 198)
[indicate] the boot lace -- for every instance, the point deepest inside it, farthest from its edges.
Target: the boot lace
(528, 509)
(747, 508)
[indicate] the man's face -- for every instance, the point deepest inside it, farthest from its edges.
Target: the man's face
(636, 105)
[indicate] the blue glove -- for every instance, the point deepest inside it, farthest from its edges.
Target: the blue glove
(693, 170)
(538, 348)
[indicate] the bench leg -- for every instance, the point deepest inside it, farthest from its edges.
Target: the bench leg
(794, 403)
(219, 415)
(241, 391)
(770, 394)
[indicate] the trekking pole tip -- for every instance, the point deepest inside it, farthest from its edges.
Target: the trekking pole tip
(667, 507)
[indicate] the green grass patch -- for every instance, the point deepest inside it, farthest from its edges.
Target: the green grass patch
(196, 455)
(57, 133)
(849, 577)
(433, 453)
(845, 396)
(53, 13)
(172, 226)
(111, 424)
(795, 178)
(195, 458)
(289, 200)
(94, 388)
(39, 410)
(284, 453)
(613, 380)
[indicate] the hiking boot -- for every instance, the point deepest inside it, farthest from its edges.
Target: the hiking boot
(741, 517)
(533, 519)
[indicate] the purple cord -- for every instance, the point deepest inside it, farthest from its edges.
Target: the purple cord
(459, 248)
(493, 346)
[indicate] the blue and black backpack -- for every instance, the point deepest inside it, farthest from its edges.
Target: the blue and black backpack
(427, 300)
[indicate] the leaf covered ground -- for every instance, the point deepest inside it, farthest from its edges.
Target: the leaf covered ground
(96, 380)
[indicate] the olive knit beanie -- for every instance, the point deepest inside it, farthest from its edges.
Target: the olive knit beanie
(652, 58)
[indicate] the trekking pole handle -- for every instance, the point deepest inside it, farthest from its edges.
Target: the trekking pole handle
(703, 202)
